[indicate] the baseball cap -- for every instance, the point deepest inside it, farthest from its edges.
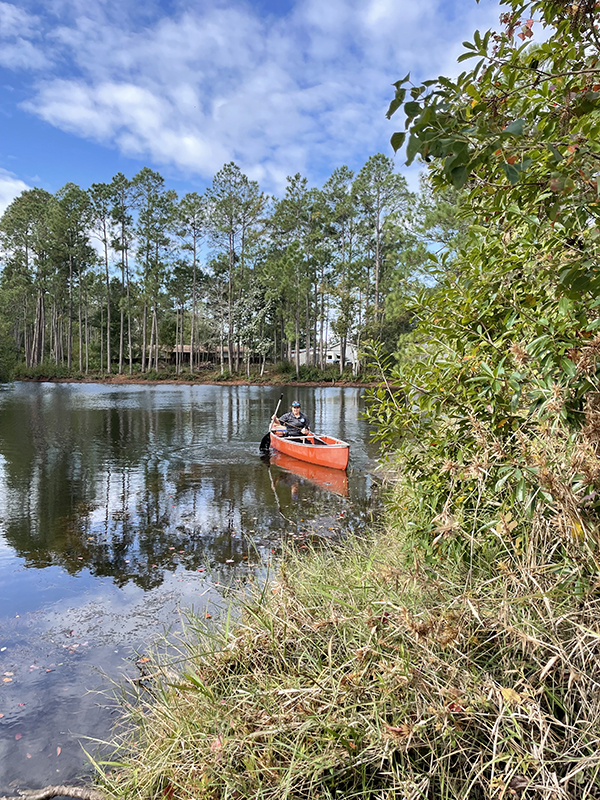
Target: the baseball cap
(296, 404)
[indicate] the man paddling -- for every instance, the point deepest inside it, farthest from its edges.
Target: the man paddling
(295, 422)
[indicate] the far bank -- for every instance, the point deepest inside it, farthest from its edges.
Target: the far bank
(308, 376)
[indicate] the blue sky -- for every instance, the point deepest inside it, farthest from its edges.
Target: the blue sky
(92, 87)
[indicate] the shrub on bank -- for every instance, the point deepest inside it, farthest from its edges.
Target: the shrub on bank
(46, 371)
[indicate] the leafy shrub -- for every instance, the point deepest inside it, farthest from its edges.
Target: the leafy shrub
(223, 376)
(45, 371)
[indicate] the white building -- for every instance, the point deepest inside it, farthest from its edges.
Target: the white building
(332, 355)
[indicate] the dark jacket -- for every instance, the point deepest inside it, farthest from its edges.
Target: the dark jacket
(294, 425)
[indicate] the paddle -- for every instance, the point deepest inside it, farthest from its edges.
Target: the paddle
(315, 438)
(265, 442)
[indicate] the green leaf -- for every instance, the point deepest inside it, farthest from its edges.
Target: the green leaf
(556, 153)
(412, 149)
(511, 172)
(464, 56)
(564, 306)
(412, 109)
(397, 141)
(554, 210)
(398, 84)
(516, 127)
(459, 176)
(396, 103)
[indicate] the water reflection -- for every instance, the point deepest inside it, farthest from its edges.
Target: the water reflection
(106, 479)
(121, 505)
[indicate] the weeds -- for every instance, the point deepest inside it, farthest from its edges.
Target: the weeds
(357, 676)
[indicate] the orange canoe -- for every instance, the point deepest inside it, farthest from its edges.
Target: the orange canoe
(331, 453)
(333, 480)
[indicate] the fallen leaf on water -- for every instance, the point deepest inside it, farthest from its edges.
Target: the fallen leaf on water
(28, 755)
(1, 715)
(7, 680)
(9, 674)
(58, 751)
(143, 660)
(18, 736)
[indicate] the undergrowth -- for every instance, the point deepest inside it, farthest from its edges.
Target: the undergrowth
(364, 673)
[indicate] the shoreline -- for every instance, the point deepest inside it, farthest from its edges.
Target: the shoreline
(123, 380)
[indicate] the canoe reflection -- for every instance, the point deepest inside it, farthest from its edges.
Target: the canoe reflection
(333, 480)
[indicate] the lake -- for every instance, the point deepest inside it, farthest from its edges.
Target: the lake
(120, 508)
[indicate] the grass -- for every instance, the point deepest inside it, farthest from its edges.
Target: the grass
(363, 673)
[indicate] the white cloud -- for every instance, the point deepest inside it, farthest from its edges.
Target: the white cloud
(14, 21)
(216, 83)
(19, 32)
(10, 187)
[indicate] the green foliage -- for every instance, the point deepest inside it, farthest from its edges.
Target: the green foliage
(497, 409)
(521, 129)
(282, 275)
(8, 358)
(224, 375)
(43, 372)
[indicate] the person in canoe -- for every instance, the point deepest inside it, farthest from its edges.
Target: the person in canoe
(294, 423)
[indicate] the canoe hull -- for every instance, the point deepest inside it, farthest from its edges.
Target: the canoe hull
(333, 454)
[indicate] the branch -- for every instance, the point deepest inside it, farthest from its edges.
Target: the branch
(57, 791)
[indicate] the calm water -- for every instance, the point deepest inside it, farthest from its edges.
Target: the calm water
(121, 506)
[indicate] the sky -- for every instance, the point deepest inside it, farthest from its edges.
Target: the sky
(89, 88)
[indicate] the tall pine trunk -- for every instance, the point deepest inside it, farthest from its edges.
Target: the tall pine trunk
(144, 335)
(39, 331)
(297, 320)
(129, 345)
(122, 328)
(70, 339)
(307, 342)
(80, 320)
(107, 276)
(193, 331)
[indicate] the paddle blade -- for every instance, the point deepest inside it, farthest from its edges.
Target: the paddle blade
(265, 443)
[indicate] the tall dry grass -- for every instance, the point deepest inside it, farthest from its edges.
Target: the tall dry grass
(363, 673)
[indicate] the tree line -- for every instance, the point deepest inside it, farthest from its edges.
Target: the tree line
(112, 277)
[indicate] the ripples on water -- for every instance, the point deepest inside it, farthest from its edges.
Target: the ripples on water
(120, 506)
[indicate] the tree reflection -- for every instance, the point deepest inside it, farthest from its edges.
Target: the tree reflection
(132, 491)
